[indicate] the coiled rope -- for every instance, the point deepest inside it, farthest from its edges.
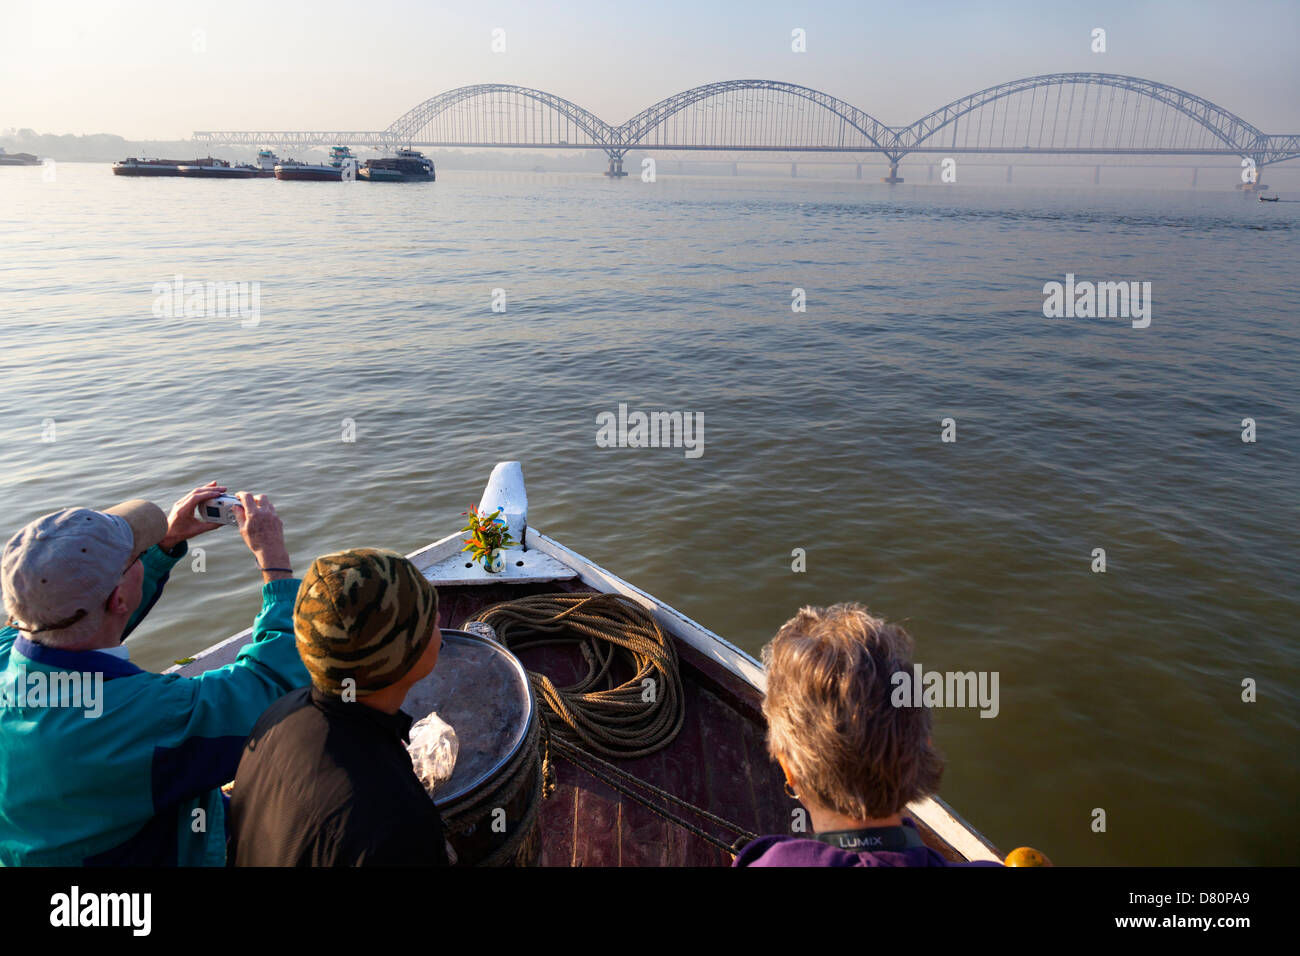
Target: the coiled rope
(595, 716)
(638, 717)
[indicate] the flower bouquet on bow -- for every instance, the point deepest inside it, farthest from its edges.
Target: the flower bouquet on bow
(488, 536)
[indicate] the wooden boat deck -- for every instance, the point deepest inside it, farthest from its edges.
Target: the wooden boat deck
(718, 762)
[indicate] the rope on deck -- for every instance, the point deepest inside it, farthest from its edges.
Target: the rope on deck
(633, 719)
(595, 718)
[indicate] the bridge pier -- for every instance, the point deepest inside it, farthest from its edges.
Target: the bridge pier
(615, 166)
(893, 178)
(794, 170)
(1009, 168)
(1194, 172)
(1096, 175)
(859, 170)
(735, 169)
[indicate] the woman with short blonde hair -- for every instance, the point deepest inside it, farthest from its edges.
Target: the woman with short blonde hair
(852, 758)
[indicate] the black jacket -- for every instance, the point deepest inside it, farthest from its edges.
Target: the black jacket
(328, 783)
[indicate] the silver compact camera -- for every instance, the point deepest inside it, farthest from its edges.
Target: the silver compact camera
(219, 509)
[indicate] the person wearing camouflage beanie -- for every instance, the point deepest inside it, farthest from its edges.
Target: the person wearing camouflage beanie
(363, 616)
(325, 778)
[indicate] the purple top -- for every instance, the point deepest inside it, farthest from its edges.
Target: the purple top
(800, 851)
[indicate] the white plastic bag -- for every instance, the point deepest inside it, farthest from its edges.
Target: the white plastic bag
(433, 749)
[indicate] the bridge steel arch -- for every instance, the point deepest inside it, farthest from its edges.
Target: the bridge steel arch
(636, 131)
(406, 127)
(1237, 135)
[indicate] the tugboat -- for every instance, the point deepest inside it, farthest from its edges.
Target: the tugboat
(156, 167)
(17, 159)
(266, 163)
(216, 169)
(341, 159)
(408, 166)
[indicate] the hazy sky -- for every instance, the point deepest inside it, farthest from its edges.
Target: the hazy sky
(160, 69)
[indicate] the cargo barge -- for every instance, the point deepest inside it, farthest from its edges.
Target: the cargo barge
(342, 165)
(219, 169)
(157, 167)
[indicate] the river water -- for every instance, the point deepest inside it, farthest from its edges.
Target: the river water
(1120, 691)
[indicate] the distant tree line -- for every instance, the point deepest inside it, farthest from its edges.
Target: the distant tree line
(97, 147)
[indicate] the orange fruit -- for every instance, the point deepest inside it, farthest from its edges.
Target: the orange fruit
(1027, 856)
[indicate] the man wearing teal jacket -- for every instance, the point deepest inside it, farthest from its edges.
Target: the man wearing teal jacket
(102, 763)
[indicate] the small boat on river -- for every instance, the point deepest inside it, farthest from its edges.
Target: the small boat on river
(684, 804)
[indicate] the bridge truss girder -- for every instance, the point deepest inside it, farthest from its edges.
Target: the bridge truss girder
(301, 138)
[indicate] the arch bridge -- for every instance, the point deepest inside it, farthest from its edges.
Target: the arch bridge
(1055, 113)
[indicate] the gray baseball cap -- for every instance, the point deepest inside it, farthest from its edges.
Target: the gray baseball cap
(65, 564)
